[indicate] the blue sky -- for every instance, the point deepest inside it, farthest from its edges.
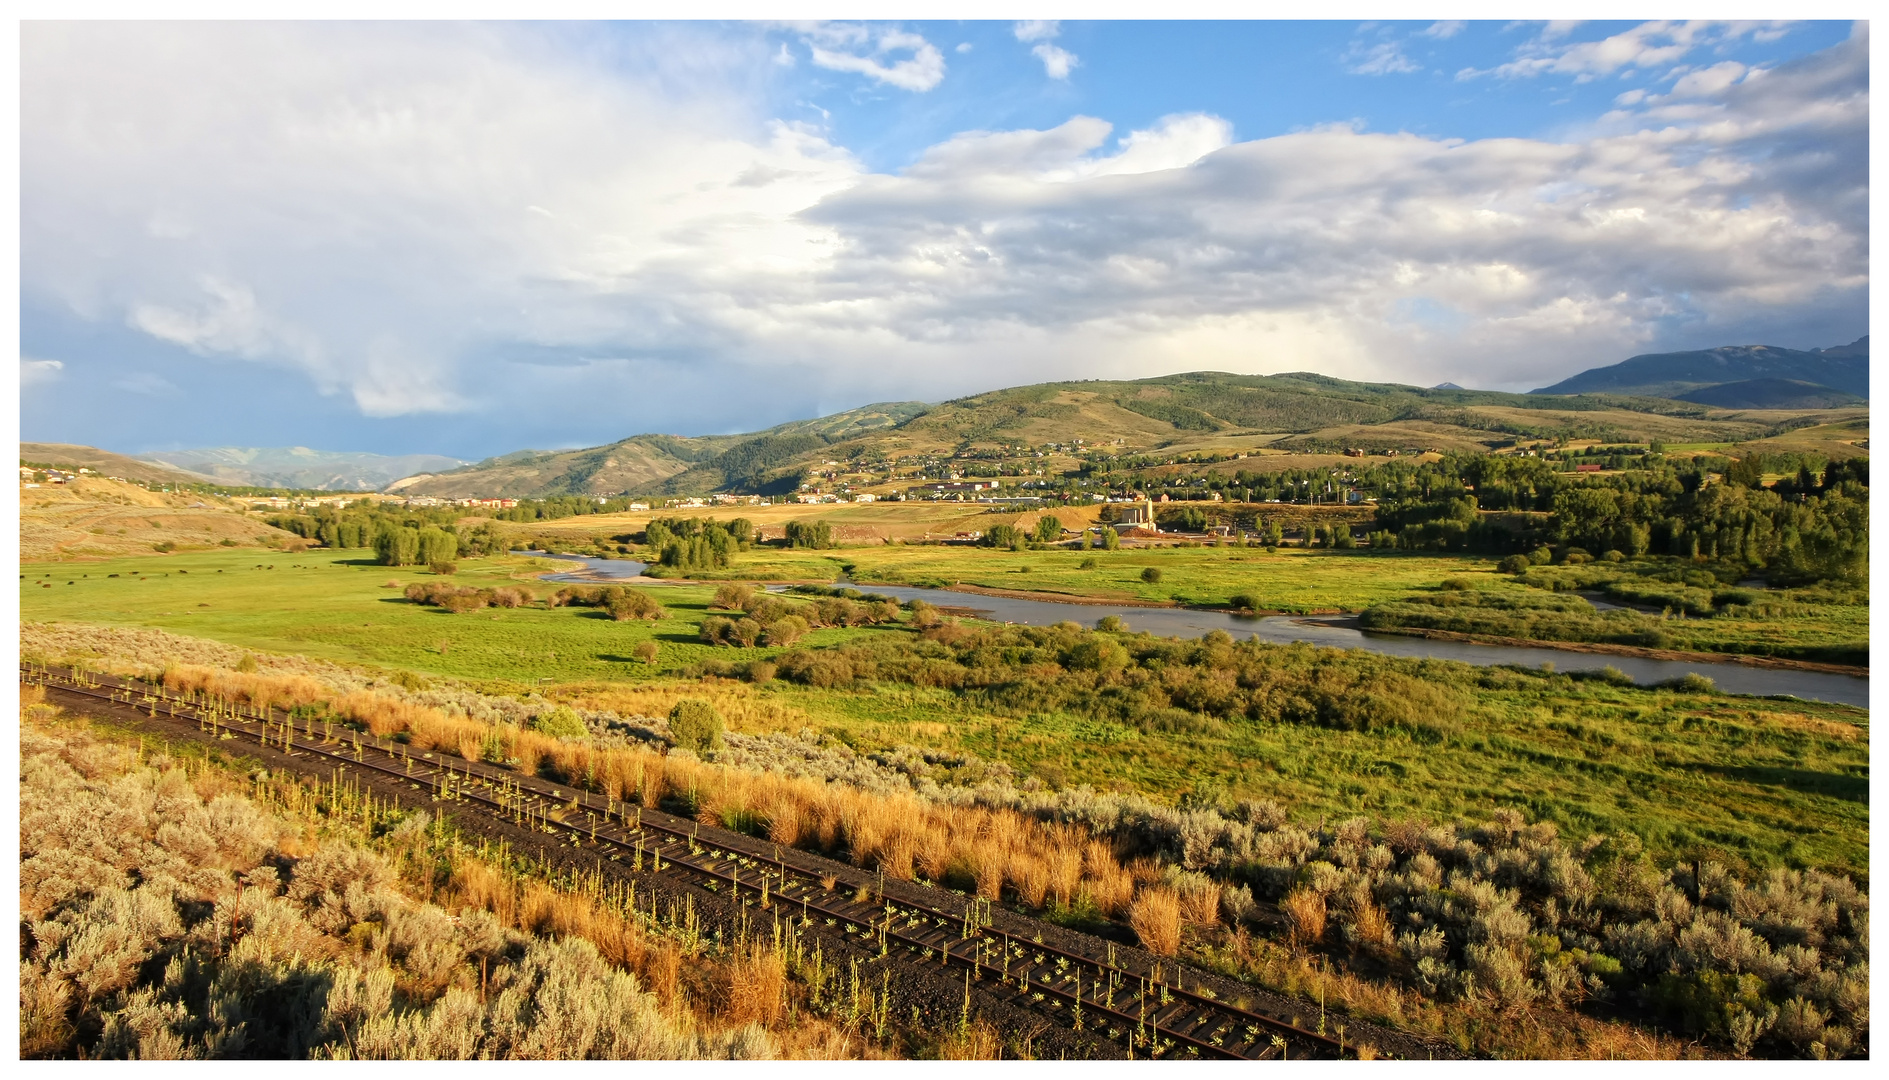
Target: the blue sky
(469, 239)
(1265, 78)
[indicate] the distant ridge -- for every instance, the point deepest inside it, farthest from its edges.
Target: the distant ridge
(1315, 412)
(1446, 386)
(300, 467)
(1770, 394)
(1843, 368)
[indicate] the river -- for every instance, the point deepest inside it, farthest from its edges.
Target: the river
(1731, 677)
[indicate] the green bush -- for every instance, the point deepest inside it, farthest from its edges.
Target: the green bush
(646, 651)
(624, 604)
(1244, 601)
(560, 723)
(1731, 1007)
(1151, 575)
(695, 725)
(1541, 556)
(1514, 564)
(1693, 683)
(1093, 653)
(1086, 564)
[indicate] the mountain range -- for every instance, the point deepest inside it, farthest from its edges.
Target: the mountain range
(299, 467)
(1736, 377)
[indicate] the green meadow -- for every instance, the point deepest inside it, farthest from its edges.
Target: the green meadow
(1290, 579)
(341, 606)
(1748, 781)
(1752, 781)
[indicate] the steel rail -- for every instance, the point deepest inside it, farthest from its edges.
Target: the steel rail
(527, 800)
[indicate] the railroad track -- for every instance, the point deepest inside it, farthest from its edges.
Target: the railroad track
(1153, 1008)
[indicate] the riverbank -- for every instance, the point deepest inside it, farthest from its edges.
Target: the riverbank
(1055, 597)
(1606, 649)
(1096, 601)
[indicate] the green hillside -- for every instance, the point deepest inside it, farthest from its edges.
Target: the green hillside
(1206, 410)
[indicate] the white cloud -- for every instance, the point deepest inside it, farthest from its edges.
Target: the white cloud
(349, 202)
(1057, 61)
(1648, 45)
(147, 384)
(1708, 82)
(1174, 142)
(1445, 29)
(39, 372)
(921, 70)
(1382, 58)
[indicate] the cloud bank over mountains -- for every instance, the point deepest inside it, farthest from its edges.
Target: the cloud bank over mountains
(490, 221)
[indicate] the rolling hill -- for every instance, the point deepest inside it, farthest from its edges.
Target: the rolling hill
(1844, 368)
(659, 463)
(1298, 411)
(1266, 418)
(106, 463)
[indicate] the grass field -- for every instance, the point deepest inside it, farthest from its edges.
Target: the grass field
(338, 606)
(1823, 630)
(1291, 579)
(1753, 781)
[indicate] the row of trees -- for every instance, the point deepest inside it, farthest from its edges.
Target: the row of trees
(1808, 528)
(399, 536)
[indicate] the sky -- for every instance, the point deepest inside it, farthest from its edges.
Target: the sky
(475, 238)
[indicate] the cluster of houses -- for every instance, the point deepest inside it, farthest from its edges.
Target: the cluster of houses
(31, 477)
(286, 502)
(834, 497)
(430, 500)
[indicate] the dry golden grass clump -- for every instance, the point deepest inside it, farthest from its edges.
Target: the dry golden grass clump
(1304, 910)
(1156, 920)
